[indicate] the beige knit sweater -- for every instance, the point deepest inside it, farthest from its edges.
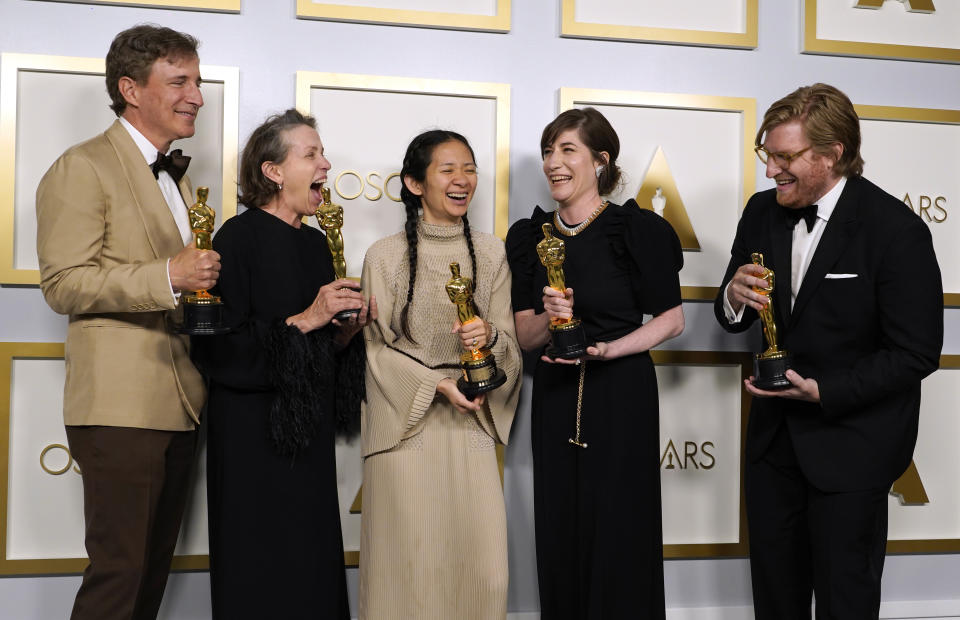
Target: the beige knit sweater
(433, 542)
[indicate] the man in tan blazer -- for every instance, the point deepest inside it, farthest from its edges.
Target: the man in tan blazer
(113, 243)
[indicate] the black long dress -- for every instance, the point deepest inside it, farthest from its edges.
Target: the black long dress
(597, 509)
(276, 548)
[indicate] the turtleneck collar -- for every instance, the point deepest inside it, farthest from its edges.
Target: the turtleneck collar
(436, 231)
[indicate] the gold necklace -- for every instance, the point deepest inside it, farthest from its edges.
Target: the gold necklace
(570, 231)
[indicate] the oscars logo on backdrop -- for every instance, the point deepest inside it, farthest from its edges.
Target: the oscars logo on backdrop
(350, 185)
(914, 6)
(695, 455)
(924, 204)
(658, 193)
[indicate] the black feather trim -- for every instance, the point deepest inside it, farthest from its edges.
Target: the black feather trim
(301, 369)
(350, 386)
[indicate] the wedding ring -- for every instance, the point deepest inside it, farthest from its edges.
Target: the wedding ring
(474, 342)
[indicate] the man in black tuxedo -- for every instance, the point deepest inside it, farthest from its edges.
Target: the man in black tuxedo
(858, 305)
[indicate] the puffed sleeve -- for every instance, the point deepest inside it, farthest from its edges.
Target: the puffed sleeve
(400, 389)
(654, 250)
(521, 247)
(521, 254)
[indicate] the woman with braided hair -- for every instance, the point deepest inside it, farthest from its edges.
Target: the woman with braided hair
(433, 536)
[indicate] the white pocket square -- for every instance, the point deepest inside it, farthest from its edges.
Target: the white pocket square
(839, 276)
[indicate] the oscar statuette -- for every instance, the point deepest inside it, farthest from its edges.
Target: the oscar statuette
(330, 219)
(568, 340)
(769, 367)
(202, 312)
(479, 366)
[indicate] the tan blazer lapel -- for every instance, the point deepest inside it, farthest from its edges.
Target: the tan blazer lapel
(162, 231)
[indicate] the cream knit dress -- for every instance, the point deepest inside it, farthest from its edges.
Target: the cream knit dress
(433, 540)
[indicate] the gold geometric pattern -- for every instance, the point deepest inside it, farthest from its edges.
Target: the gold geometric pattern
(659, 179)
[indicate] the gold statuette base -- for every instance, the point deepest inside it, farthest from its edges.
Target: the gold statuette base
(203, 315)
(769, 371)
(567, 341)
(480, 373)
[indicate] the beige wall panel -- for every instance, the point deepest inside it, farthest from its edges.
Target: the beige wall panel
(700, 439)
(935, 525)
(368, 156)
(707, 144)
(914, 154)
(43, 498)
(895, 29)
(49, 103)
(722, 23)
(488, 15)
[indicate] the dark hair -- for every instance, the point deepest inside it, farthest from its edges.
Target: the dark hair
(415, 162)
(596, 132)
(134, 51)
(267, 143)
(828, 117)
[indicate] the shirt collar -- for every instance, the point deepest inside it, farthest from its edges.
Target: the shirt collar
(828, 202)
(147, 149)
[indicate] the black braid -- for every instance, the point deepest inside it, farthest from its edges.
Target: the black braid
(411, 203)
(473, 255)
(415, 162)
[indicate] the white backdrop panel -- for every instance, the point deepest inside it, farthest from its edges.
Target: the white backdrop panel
(700, 426)
(45, 511)
(57, 110)
(840, 20)
(378, 145)
(921, 160)
(938, 463)
(704, 150)
(709, 15)
(463, 7)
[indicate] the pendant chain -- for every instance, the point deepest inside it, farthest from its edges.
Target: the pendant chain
(583, 372)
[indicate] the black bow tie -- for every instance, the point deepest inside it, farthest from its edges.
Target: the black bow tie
(175, 164)
(808, 214)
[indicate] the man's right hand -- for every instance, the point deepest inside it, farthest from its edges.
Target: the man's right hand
(194, 270)
(740, 290)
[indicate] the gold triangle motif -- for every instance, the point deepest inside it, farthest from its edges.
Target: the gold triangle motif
(909, 488)
(659, 194)
(914, 6)
(357, 504)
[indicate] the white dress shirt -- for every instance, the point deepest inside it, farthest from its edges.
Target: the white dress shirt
(802, 248)
(168, 187)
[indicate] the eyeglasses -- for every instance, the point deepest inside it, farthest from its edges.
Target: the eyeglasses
(781, 159)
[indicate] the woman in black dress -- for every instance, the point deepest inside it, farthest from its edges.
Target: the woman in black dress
(597, 501)
(283, 382)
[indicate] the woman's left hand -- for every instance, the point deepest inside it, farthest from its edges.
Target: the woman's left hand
(473, 334)
(596, 351)
(350, 327)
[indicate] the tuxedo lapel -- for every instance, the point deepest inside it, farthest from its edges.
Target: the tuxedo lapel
(158, 222)
(840, 229)
(781, 241)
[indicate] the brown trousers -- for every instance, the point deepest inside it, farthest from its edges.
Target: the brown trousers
(135, 487)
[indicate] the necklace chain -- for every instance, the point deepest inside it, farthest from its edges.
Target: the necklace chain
(570, 231)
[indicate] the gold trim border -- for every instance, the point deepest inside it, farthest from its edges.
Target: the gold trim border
(407, 17)
(308, 80)
(10, 66)
(716, 358)
(813, 45)
(929, 545)
(709, 38)
(216, 6)
(745, 106)
(929, 116)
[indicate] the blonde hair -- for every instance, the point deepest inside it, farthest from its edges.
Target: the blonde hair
(827, 117)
